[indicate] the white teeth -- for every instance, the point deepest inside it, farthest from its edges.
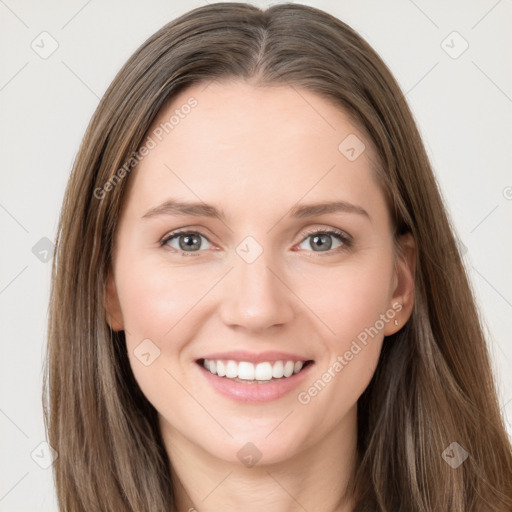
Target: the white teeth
(263, 371)
(231, 370)
(288, 368)
(278, 370)
(221, 368)
(245, 370)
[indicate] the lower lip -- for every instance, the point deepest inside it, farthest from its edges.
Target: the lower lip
(254, 391)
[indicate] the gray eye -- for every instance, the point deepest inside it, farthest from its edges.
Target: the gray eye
(189, 241)
(322, 242)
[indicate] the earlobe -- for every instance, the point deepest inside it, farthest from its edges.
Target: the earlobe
(112, 305)
(402, 300)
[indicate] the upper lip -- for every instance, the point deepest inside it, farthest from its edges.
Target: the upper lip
(253, 357)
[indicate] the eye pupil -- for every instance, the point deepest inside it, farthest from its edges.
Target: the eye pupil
(191, 242)
(323, 245)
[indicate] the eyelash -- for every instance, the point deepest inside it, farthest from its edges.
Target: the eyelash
(337, 233)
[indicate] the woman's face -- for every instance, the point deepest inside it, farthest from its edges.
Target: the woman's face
(250, 280)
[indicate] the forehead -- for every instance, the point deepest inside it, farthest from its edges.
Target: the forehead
(233, 143)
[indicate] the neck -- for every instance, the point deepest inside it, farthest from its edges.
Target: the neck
(316, 478)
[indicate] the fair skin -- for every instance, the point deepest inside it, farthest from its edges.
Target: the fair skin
(255, 153)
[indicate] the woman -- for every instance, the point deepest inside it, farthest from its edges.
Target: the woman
(209, 347)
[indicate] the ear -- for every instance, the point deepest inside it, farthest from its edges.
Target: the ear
(402, 300)
(112, 306)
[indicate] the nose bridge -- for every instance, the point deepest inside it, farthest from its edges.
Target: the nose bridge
(254, 296)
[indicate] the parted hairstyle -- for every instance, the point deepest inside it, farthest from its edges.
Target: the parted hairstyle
(433, 384)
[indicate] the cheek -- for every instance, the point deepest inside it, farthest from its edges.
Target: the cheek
(156, 305)
(163, 308)
(155, 299)
(353, 314)
(349, 298)
(352, 301)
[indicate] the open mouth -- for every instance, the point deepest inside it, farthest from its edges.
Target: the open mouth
(254, 373)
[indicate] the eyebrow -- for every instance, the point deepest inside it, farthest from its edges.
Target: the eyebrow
(197, 209)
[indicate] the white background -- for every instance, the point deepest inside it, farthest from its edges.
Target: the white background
(462, 106)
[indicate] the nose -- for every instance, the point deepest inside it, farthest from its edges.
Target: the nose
(256, 296)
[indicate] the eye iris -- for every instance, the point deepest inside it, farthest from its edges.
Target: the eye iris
(323, 237)
(192, 241)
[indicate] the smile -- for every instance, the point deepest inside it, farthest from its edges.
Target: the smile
(258, 381)
(265, 371)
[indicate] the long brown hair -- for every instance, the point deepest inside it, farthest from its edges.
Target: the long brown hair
(433, 385)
